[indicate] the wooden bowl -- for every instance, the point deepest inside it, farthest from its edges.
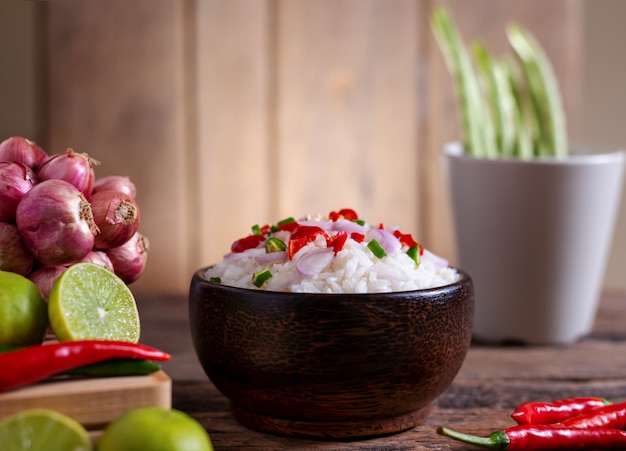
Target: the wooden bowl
(330, 365)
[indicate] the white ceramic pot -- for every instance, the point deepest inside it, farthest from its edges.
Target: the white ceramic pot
(534, 236)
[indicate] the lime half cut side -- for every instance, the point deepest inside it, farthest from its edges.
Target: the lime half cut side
(89, 302)
(42, 430)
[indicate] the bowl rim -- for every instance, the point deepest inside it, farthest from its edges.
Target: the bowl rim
(463, 280)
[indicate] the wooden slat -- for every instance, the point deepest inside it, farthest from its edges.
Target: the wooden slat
(93, 402)
(486, 20)
(346, 108)
(231, 113)
(115, 91)
(234, 167)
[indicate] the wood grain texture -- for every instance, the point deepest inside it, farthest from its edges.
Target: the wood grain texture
(227, 114)
(116, 92)
(234, 165)
(346, 106)
(93, 402)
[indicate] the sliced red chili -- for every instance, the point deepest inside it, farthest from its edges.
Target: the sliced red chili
(301, 236)
(288, 226)
(345, 213)
(337, 241)
(266, 229)
(405, 238)
(249, 242)
(358, 237)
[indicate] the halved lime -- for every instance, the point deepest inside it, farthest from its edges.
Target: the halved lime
(42, 430)
(89, 302)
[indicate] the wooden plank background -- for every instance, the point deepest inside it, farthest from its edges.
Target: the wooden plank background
(231, 113)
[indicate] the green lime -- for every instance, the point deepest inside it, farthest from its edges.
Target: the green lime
(154, 429)
(23, 311)
(42, 430)
(89, 302)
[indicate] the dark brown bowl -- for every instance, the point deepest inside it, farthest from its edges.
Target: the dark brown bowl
(330, 365)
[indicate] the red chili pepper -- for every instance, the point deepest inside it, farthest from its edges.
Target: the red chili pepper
(301, 236)
(35, 363)
(249, 242)
(358, 237)
(345, 213)
(555, 411)
(337, 241)
(405, 238)
(266, 229)
(288, 226)
(608, 416)
(529, 437)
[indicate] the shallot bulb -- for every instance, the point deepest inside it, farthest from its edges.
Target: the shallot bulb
(117, 217)
(22, 150)
(14, 256)
(75, 168)
(129, 259)
(56, 223)
(115, 183)
(45, 277)
(99, 258)
(16, 179)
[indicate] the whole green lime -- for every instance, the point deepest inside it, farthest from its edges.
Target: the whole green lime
(154, 429)
(23, 311)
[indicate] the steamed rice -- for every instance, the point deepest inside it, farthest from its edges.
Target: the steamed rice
(315, 268)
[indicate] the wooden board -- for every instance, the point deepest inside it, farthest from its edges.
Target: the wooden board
(93, 402)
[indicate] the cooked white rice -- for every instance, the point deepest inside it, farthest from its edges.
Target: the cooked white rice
(316, 269)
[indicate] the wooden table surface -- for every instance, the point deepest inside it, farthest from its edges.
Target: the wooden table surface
(491, 382)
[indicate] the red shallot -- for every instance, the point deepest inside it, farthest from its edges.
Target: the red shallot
(99, 258)
(75, 168)
(45, 277)
(117, 217)
(312, 263)
(16, 179)
(386, 240)
(129, 259)
(271, 257)
(115, 183)
(14, 256)
(17, 148)
(56, 223)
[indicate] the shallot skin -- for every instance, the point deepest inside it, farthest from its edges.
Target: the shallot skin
(129, 259)
(56, 223)
(16, 179)
(117, 218)
(14, 256)
(118, 183)
(75, 168)
(18, 148)
(45, 277)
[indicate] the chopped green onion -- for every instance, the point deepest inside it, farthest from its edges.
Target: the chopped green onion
(274, 245)
(376, 249)
(260, 277)
(256, 229)
(215, 280)
(414, 253)
(359, 222)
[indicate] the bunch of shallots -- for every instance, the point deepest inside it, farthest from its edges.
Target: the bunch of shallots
(54, 212)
